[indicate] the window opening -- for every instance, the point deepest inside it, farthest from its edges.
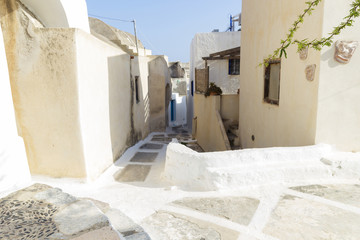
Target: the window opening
(272, 82)
(137, 89)
(234, 66)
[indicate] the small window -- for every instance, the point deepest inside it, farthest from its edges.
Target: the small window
(137, 89)
(272, 82)
(192, 88)
(234, 66)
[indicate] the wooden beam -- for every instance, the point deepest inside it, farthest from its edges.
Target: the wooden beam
(231, 51)
(221, 58)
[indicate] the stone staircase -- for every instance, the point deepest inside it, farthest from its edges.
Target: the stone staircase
(232, 128)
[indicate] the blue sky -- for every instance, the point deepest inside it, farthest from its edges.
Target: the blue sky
(167, 26)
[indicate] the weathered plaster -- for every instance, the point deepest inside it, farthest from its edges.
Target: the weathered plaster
(71, 93)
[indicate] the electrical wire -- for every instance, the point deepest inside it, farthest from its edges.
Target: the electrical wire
(147, 39)
(108, 18)
(121, 20)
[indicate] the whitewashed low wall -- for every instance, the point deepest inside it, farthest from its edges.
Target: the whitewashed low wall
(234, 169)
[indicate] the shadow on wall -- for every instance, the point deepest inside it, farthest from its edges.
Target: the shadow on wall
(329, 57)
(139, 101)
(119, 103)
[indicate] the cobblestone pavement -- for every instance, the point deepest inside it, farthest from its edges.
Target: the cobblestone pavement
(144, 205)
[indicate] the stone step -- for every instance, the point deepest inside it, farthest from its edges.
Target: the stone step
(233, 139)
(53, 214)
(234, 129)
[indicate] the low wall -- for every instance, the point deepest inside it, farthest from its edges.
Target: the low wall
(230, 107)
(234, 169)
(210, 132)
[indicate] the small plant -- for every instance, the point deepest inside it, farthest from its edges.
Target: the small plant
(316, 44)
(213, 90)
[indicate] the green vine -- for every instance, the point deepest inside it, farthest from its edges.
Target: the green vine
(316, 44)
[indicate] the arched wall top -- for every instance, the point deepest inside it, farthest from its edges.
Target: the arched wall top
(60, 13)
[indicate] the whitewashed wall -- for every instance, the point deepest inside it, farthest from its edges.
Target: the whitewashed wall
(204, 44)
(60, 13)
(103, 75)
(338, 116)
(14, 170)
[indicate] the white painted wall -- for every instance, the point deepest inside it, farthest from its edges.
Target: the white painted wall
(338, 116)
(60, 13)
(14, 170)
(204, 44)
(103, 74)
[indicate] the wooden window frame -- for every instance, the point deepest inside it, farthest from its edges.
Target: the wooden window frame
(233, 62)
(267, 72)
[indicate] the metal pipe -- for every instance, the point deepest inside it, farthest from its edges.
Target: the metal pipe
(136, 41)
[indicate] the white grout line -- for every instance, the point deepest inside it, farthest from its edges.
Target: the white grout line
(323, 201)
(264, 210)
(217, 221)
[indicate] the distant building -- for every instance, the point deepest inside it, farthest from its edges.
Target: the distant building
(215, 58)
(179, 73)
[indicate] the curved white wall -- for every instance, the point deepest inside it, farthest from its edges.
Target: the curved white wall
(235, 169)
(60, 13)
(14, 170)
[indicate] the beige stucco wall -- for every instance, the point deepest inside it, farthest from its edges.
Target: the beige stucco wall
(46, 100)
(159, 77)
(210, 132)
(339, 91)
(44, 89)
(60, 13)
(14, 170)
(103, 75)
(204, 44)
(293, 122)
(229, 108)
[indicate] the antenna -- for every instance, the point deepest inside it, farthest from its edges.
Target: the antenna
(237, 18)
(233, 19)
